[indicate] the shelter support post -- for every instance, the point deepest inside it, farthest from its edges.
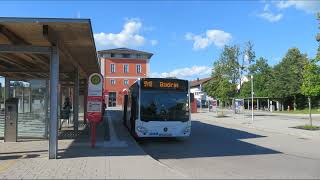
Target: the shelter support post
(30, 98)
(257, 103)
(6, 88)
(6, 92)
(268, 104)
(76, 102)
(22, 99)
(54, 82)
(46, 110)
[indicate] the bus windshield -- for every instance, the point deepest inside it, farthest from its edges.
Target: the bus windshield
(164, 105)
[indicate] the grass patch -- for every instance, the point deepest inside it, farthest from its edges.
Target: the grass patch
(300, 111)
(308, 127)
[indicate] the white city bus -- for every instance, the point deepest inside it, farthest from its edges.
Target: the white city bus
(158, 107)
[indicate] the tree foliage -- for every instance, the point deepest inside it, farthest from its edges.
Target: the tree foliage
(286, 79)
(318, 39)
(225, 75)
(311, 79)
(261, 72)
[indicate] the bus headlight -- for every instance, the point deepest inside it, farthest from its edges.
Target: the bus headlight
(141, 129)
(187, 129)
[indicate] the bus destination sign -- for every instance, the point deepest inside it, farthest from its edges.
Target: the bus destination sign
(174, 84)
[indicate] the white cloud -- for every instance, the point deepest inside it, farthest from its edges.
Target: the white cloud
(217, 37)
(309, 6)
(185, 72)
(270, 16)
(266, 7)
(154, 42)
(128, 37)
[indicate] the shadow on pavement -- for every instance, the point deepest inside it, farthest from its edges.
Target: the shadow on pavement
(249, 115)
(80, 147)
(28, 156)
(206, 141)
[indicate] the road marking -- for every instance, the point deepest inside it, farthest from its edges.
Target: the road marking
(114, 140)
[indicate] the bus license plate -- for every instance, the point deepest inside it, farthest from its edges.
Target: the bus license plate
(165, 135)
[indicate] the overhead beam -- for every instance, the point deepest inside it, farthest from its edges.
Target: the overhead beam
(12, 37)
(22, 71)
(55, 40)
(8, 60)
(39, 59)
(20, 60)
(6, 48)
(17, 40)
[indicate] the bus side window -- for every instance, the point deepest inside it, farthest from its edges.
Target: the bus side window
(137, 108)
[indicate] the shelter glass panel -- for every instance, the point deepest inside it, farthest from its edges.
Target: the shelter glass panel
(1, 107)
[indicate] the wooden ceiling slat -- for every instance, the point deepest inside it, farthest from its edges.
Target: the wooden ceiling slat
(17, 40)
(13, 63)
(17, 60)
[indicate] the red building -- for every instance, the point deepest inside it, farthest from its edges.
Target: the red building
(121, 67)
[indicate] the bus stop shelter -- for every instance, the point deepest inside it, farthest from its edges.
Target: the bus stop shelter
(60, 51)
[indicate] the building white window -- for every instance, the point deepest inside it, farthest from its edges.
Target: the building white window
(112, 82)
(126, 68)
(138, 68)
(126, 82)
(112, 68)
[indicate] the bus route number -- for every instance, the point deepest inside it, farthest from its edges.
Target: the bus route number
(147, 84)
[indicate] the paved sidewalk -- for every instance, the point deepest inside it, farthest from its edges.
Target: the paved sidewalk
(29, 160)
(270, 122)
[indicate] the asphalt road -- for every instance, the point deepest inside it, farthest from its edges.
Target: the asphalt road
(222, 151)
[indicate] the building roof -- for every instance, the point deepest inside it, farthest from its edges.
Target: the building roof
(125, 50)
(198, 81)
(73, 37)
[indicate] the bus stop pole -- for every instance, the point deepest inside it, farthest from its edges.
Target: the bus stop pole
(252, 116)
(54, 82)
(85, 100)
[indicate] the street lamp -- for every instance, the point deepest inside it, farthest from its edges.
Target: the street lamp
(252, 117)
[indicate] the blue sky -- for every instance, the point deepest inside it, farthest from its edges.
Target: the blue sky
(186, 37)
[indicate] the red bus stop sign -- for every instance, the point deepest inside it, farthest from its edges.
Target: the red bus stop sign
(94, 104)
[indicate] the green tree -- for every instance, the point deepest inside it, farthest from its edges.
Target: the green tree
(248, 57)
(225, 74)
(261, 72)
(311, 82)
(318, 39)
(311, 76)
(287, 75)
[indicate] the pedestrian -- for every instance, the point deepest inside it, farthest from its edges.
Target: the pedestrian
(66, 109)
